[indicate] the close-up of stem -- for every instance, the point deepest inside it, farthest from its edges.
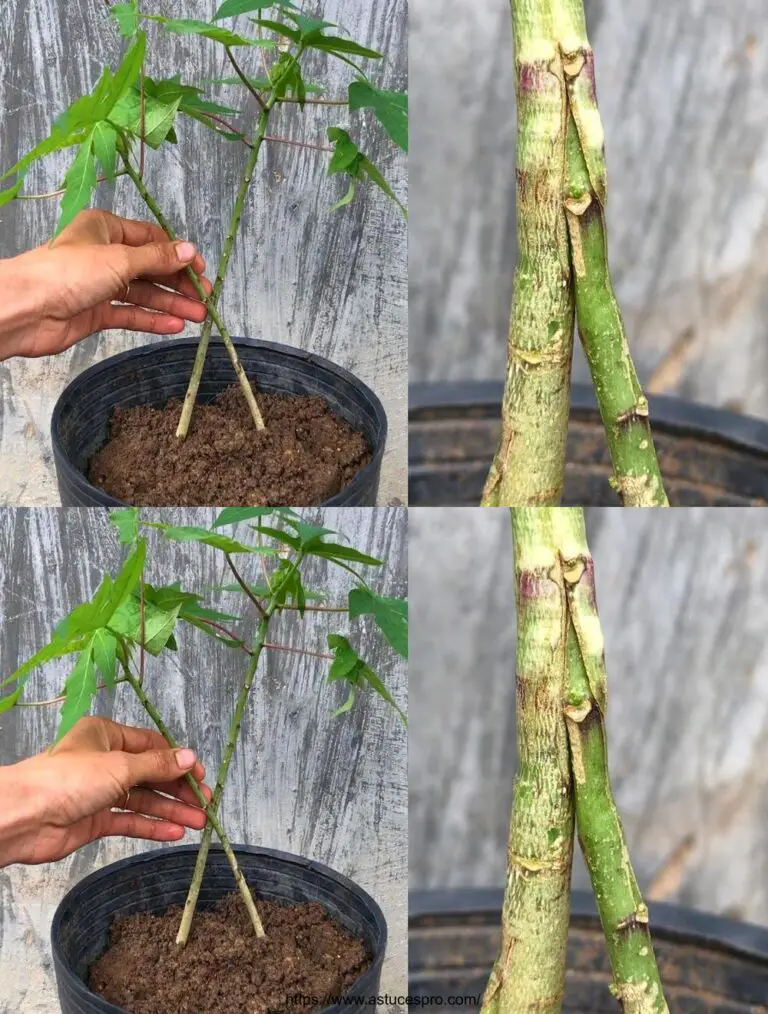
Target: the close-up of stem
(529, 465)
(529, 973)
(623, 406)
(624, 915)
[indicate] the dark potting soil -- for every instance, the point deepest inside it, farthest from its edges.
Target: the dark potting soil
(225, 969)
(305, 455)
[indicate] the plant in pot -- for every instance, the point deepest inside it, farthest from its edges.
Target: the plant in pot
(551, 957)
(562, 280)
(293, 429)
(152, 919)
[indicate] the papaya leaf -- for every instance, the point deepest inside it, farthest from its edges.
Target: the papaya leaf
(188, 26)
(347, 198)
(109, 597)
(214, 539)
(234, 515)
(353, 669)
(79, 184)
(105, 148)
(127, 17)
(333, 551)
(6, 196)
(390, 109)
(278, 28)
(57, 648)
(159, 117)
(79, 691)
(279, 536)
(342, 47)
(389, 614)
(231, 8)
(159, 624)
(347, 158)
(347, 705)
(7, 703)
(104, 644)
(126, 520)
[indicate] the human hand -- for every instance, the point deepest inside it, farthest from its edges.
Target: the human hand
(101, 780)
(102, 272)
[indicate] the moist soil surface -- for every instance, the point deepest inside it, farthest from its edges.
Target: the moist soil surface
(305, 455)
(225, 969)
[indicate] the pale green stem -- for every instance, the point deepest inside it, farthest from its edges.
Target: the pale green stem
(623, 406)
(637, 983)
(529, 973)
(234, 227)
(213, 822)
(234, 731)
(528, 468)
(210, 302)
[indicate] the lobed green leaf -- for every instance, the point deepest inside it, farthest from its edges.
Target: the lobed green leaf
(231, 8)
(188, 26)
(235, 515)
(126, 520)
(390, 109)
(79, 691)
(389, 614)
(226, 544)
(127, 17)
(79, 184)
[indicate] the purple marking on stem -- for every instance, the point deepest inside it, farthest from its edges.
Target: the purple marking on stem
(588, 72)
(532, 77)
(532, 586)
(588, 577)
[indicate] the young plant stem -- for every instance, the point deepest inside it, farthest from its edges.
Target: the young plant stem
(624, 916)
(234, 732)
(210, 813)
(529, 466)
(213, 315)
(234, 226)
(529, 973)
(623, 406)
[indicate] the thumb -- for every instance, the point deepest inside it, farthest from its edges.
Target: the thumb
(159, 258)
(154, 766)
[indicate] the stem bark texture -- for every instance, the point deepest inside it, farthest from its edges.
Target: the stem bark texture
(529, 973)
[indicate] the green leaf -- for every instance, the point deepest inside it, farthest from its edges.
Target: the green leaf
(57, 648)
(90, 616)
(310, 28)
(333, 551)
(7, 703)
(159, 117)
(105, 148)
(202, 535)
(309, 535)
(79, 183)
(347, 198)
(263, 84)
(126, 520)
(127, 17)
(335, 45)
(390, 109)
(6, 196)
(104, 644)
(346, 661)
(234, 515)
(79, 691)
(278, 28)
(58, 141)
(159, 624)
(347, 705)
(280, 536)
(188, 26)
(390, 615)
(348, 666)
(347, 158)
(231, 8)
(127, 74)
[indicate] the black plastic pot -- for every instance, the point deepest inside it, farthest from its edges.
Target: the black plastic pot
(154, 881)
(708, 965)
(708, 457)
(153, 374)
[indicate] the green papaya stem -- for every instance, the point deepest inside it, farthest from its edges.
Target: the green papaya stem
(624, 916)
(529, 465)
(190, 904)
(190, 398)
(529, 973)
(213, 822)
(210, 302)
(623, 406)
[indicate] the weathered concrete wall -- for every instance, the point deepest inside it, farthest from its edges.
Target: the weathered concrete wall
(334, 284)
(683, 597)
(683, 88)
(333, 790)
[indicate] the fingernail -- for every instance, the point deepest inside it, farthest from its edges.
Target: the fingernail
(185, 758)
(185, 251)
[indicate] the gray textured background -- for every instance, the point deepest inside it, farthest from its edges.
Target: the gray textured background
(683, 88)
(683, 597)
(332, 284)
(334, 790)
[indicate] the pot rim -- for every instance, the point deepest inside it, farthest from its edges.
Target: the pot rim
(150, 856)
(741, 939)
(677, 415)
(310, 358)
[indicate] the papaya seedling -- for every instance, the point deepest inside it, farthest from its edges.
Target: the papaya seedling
(128, 617)
(563, 277)
(562, 781)
(129, 113)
